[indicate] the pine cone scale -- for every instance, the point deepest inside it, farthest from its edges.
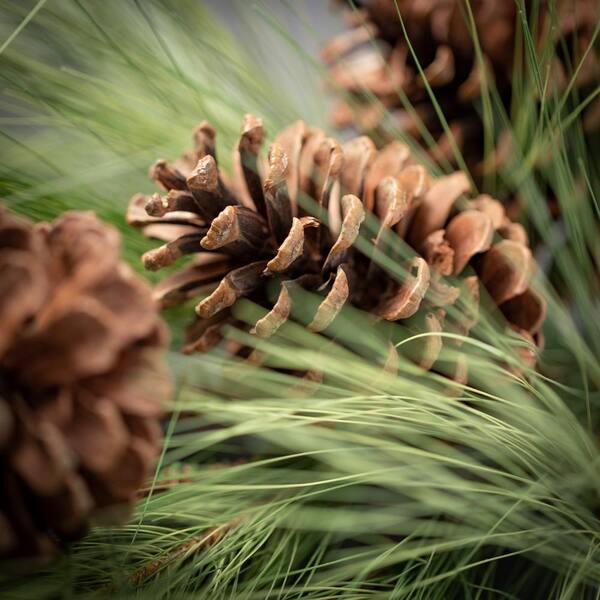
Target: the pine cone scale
(234, 285)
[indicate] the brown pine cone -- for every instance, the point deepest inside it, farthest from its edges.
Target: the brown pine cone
(373, 59)
(81, 380)
(255, 234)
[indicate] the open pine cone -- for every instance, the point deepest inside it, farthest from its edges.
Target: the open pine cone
(252, 234)
(374, 74)
(81, 380)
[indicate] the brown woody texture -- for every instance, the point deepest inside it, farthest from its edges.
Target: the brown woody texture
(371, 64)
(252, 236)
(81, 381)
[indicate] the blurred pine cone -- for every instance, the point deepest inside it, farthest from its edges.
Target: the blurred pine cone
(252, 234)
(81, 380)
(372, 62)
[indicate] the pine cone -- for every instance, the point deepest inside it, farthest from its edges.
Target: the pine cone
(253, 234)
(81, 380)
(440, 36)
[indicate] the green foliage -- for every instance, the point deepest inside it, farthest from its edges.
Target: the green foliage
(373, 483)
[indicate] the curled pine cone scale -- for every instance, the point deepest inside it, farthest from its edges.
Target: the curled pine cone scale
(294, 222)
(81, 380)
